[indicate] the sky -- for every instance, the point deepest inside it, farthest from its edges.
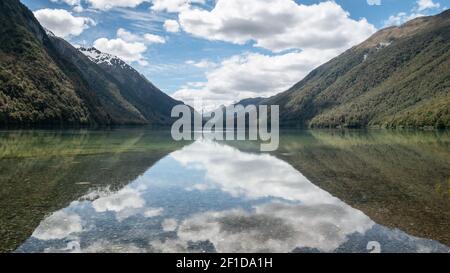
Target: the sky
(222, 51)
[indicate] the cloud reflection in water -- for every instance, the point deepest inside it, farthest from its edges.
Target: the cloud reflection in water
(224, 200)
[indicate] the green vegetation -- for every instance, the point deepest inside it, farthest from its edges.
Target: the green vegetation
(46, 81)
(398, 178)
(151, 102)
(400, 77)
(44, 171)
(32, 88)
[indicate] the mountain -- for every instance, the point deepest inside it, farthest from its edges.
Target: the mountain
(44, 80)
(33, 88)
(249, 101)
(148, 99)
(399, 77)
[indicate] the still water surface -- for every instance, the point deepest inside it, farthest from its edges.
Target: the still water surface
(135, 190)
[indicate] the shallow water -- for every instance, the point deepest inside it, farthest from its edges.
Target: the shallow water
(135, 190)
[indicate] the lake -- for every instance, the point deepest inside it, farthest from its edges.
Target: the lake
(136, 190)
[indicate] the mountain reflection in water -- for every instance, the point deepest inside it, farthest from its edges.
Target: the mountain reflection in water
(212, 197)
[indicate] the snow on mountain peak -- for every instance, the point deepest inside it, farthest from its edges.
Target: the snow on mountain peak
(99, 57)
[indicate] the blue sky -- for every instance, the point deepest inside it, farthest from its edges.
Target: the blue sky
(225, 52)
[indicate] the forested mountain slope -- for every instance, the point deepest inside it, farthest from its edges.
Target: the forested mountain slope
(400, 77)
(46, 81)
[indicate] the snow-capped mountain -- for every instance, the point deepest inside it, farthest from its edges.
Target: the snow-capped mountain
(151, 102)
(99, 57)
(62, 85)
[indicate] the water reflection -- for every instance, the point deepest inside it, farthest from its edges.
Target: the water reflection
(211, 197)
(399, 179)
(44, 171)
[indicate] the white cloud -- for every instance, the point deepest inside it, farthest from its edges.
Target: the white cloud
(313, 217)
(374, 2)
(68, 2)
(129, 46)
(62, 23)
(169, 225)
(401, 18)
(171, 26)
(78, 9)
(127, 36)
(252, 75)
(129, 52)
(316, 32)
(124, 199)
(277, 25)
(158, 5)
(153, 212)
(203, 64)
(198, 187)
(154, 39)
(108, 4)
(59, 225)
(427, 4)
(418, 11)
(262, 174)
(173, 5)
(275, 228)
(146, 38)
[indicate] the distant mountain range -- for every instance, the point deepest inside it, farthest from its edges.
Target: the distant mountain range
(399, 77)
(45, 80)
